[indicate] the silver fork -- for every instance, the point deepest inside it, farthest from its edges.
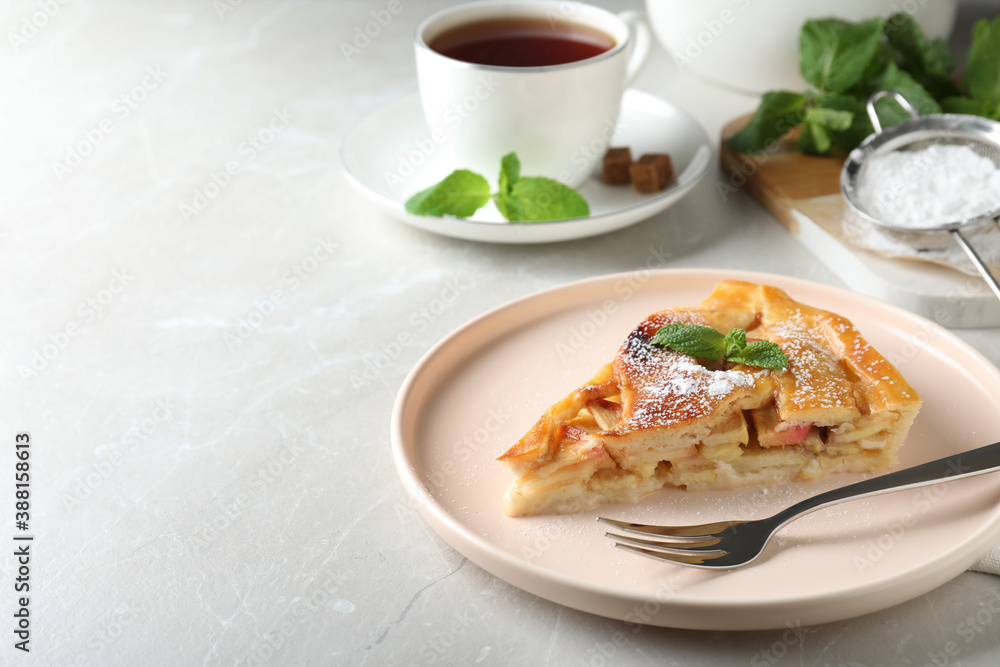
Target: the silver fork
(730, 544)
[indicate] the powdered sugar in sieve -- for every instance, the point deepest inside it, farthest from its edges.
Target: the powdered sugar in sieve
(928, 181)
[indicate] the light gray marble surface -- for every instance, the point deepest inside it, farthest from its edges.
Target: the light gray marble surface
(189, 283)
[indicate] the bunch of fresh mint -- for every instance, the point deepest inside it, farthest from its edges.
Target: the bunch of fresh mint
(519, 199)
(847, 62)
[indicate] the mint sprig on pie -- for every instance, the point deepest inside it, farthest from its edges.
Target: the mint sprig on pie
(707, 343)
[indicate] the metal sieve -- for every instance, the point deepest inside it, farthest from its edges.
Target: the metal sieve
(916, 133)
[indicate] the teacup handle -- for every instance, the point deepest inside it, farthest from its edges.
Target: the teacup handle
(642, 42)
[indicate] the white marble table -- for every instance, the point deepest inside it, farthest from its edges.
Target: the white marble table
(189, 284)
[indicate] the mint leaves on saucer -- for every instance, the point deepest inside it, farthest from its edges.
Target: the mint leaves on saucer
(520, 198)
(707, 343)
(461, 193)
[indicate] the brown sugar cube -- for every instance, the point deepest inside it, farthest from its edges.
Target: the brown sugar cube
(651, 172)
(616, 163)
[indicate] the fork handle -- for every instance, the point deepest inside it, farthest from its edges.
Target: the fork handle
(974, 462)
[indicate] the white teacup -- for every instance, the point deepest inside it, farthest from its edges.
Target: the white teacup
(559, 119)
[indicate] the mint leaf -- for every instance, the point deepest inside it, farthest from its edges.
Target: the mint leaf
(707, 343)
(538, 199)
(698, 341)
(761, 353)
(510, 172)
(929, 62)
(831, 119)
(779, 112)
(883, 54)
(834, 54)
(848, 138)
(814, 139)
(734, 342)
(967, 105)
(509, 207)
(889, 111)
(461, 194)
(816, 136)
(944, 53)
(982, 70)
(534, 198)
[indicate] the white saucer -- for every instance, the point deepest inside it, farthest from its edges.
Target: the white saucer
(393, 139)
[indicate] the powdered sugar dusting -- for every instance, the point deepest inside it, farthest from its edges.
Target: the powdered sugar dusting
(670, 387)
(819, 380)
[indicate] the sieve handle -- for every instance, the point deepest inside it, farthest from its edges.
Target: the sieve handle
(978, 261)
(896, 95)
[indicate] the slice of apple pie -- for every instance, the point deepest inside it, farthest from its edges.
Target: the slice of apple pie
(655, 416)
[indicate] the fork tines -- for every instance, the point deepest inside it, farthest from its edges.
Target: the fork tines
(686, 545)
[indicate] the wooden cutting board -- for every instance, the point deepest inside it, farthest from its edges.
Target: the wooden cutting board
(783, 179)
(803, 193)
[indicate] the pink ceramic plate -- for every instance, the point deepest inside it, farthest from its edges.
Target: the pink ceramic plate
(482, 387)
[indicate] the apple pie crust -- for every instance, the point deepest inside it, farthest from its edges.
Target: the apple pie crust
(654, 416)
